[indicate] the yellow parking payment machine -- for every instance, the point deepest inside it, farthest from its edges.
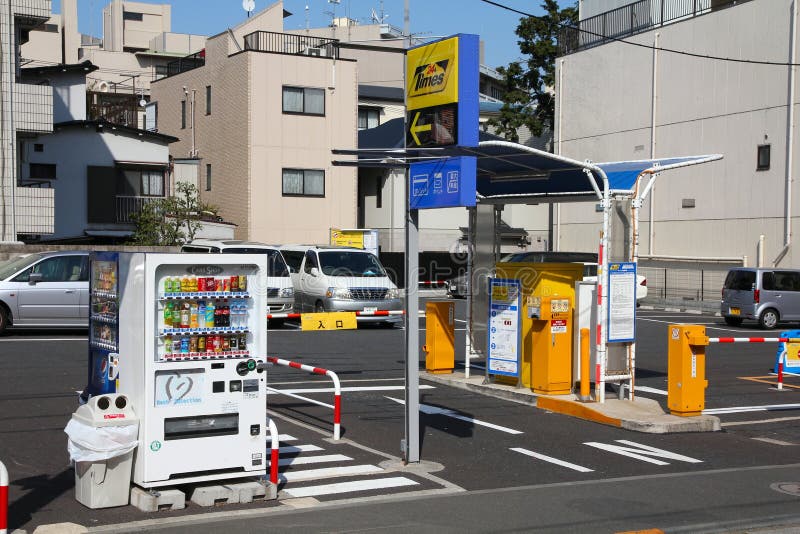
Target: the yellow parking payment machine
(548, 297)
(551, 367)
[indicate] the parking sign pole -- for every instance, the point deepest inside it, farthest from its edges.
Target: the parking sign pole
(412, 295)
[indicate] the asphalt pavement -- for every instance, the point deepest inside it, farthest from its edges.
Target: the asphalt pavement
(488, 464)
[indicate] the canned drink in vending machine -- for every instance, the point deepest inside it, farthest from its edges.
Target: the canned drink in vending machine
(242, 282)
(211, 284)
(201, 284)
(201, 343)
(234, 283)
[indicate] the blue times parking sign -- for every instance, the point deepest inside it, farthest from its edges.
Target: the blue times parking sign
(444, 183)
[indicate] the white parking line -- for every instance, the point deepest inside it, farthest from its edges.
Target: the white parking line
(433, 410)
(552, 460)
(347, 487)
(298, 448)
(329, 472)
(322, 458)
(647, 389)
(742, 409)
(348, 390)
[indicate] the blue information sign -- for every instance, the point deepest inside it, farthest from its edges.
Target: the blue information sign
(621, 302)
(443, 183)
(503, 339)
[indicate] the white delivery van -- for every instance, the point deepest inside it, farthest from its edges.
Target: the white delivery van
(280, 291)
(329, 278)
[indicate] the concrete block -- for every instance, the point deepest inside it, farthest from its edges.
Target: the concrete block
(145, 501)
(210, 495)
(247, 491)
(60, 528)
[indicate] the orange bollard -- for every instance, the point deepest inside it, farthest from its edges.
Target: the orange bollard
(585, 365)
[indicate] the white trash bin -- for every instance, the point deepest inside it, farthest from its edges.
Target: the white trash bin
(102, 435)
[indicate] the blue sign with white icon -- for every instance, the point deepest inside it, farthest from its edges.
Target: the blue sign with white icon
(443, 183)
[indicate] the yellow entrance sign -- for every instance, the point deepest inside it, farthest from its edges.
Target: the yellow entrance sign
(328, 321)
(792, 354)
(347, 238)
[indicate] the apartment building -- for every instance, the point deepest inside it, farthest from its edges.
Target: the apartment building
(668, 90)
(25, 110)
(261, 111)
(137, 46)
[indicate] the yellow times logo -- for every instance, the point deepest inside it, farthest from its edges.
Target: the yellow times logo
(430, 78)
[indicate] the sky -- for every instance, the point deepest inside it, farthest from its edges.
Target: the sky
(428, 18)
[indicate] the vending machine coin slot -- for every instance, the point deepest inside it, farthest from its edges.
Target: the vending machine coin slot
(218, 387)
(235, 385)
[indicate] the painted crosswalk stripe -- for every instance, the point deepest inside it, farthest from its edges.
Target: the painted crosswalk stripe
(434, 410)
(552, 460)
(329, 472)
(282, 437)
(298, 448)
(304, 460)
(349, 487)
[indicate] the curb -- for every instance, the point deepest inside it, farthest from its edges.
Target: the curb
(641, 415)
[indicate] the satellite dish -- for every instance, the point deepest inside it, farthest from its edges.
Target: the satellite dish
(248, 5)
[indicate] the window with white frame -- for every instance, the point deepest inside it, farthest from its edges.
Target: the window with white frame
(303, 183)
(368, 117)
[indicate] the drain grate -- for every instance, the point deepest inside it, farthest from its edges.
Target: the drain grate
(791, 488)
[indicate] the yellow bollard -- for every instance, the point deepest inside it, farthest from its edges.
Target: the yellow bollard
(585, 366)
(686, 369)
(439, 336)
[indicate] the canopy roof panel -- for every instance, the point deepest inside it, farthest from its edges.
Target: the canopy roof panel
(512, 173)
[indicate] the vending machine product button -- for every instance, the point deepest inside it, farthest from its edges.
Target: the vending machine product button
(218, 387)
(255, 430)
(235, 385)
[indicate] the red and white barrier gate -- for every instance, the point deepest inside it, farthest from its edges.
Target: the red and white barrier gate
(3, 499)
(782, 358)
(376, 313)
(337, 389)
(274, 453)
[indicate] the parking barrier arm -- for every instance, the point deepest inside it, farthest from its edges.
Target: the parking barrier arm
(376, 313)
(3, 499)
(753, 340)
(337, 388)
(275, 453)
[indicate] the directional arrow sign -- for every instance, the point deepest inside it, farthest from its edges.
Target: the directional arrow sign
(414, 130)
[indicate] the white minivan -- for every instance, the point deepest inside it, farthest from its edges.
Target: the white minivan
(280, 291)
(328, 278)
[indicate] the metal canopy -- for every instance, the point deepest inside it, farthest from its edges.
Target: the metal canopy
(511, 173)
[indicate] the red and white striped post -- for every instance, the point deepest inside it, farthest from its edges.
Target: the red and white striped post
(274, 453)
(3, 499)
(780, 370)
(337, 388)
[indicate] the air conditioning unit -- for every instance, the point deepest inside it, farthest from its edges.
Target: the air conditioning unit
(315, 51)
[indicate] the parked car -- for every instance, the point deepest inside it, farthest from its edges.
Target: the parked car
(45, 290)
(768, 296)
(328, 278)
(280, 291)
(457, 287)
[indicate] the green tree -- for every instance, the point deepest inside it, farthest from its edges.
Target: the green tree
(528, 98)
(171, 221)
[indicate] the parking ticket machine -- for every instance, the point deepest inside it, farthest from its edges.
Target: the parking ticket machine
(551, 368)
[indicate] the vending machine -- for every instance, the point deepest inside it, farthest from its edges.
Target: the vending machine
(185, 334)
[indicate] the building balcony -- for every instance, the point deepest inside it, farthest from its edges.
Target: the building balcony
(289, 43)
(31, 13)
(35, 210)
(633, 18)
(33, 108)
(128, 207)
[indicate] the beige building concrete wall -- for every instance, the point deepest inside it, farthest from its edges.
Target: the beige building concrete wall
(702, 106)
(248, 140)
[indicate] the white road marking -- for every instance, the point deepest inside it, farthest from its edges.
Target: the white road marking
(647, 389)
(282, 437)
(742, 409)
(552, 460)
(298, 448)
(433, 410)
(328, 472)
(347, 487)
(760, 421)
(641, 452)
(346, 390)
(321, 459)
(774, 441)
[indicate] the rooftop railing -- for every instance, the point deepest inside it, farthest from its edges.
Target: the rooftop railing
(289, 43)
(634, 18)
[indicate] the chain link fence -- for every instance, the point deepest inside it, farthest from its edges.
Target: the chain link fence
(685, 288)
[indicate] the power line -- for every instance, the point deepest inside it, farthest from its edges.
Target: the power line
(649, 47)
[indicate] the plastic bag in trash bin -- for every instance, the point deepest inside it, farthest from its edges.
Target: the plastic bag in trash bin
(89, 444)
